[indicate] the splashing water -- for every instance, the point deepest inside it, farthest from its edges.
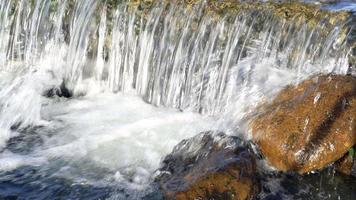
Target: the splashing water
(118, 60)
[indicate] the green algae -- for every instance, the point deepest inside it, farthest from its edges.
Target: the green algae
(352, 152)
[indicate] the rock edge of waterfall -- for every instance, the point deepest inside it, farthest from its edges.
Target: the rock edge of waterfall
(306, 127)
(289, 11)
(294, 12)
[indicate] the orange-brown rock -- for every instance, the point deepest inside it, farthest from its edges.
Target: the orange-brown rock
(209, 167)
(308, 126)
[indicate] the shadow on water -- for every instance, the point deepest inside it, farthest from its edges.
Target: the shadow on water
(31, 183)
(326, 184)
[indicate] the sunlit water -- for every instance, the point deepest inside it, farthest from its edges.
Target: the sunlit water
(164, 77)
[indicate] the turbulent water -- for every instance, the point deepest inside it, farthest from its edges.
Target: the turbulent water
(139, 81)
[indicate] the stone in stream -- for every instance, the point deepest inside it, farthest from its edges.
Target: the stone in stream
(209, 166)
(308, 126)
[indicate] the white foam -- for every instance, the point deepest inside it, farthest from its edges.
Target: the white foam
(10, 161)
(118, 133)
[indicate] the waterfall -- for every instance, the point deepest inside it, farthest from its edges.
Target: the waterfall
(98, 92)
(171, 55)
(189, 60)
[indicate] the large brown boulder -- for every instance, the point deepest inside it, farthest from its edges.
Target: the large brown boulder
(308, 126)
(209, 166)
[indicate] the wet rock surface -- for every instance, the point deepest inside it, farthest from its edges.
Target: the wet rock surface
(209, 167)
(310, 125)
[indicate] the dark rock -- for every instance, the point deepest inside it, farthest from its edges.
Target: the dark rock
(62, 91)
(308, 126)
(209, 166)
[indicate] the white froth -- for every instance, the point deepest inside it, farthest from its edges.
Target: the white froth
(118, 133)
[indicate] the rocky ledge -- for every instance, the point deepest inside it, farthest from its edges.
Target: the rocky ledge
(292, 12)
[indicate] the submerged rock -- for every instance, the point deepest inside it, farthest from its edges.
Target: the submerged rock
(310, 125)
(209, 166)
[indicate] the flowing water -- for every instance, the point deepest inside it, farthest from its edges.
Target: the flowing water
(139, 81)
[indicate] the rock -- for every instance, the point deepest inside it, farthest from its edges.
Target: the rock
(209, 167)
(62, 91)
(308, 126)
(344, 165)
(347, 164)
